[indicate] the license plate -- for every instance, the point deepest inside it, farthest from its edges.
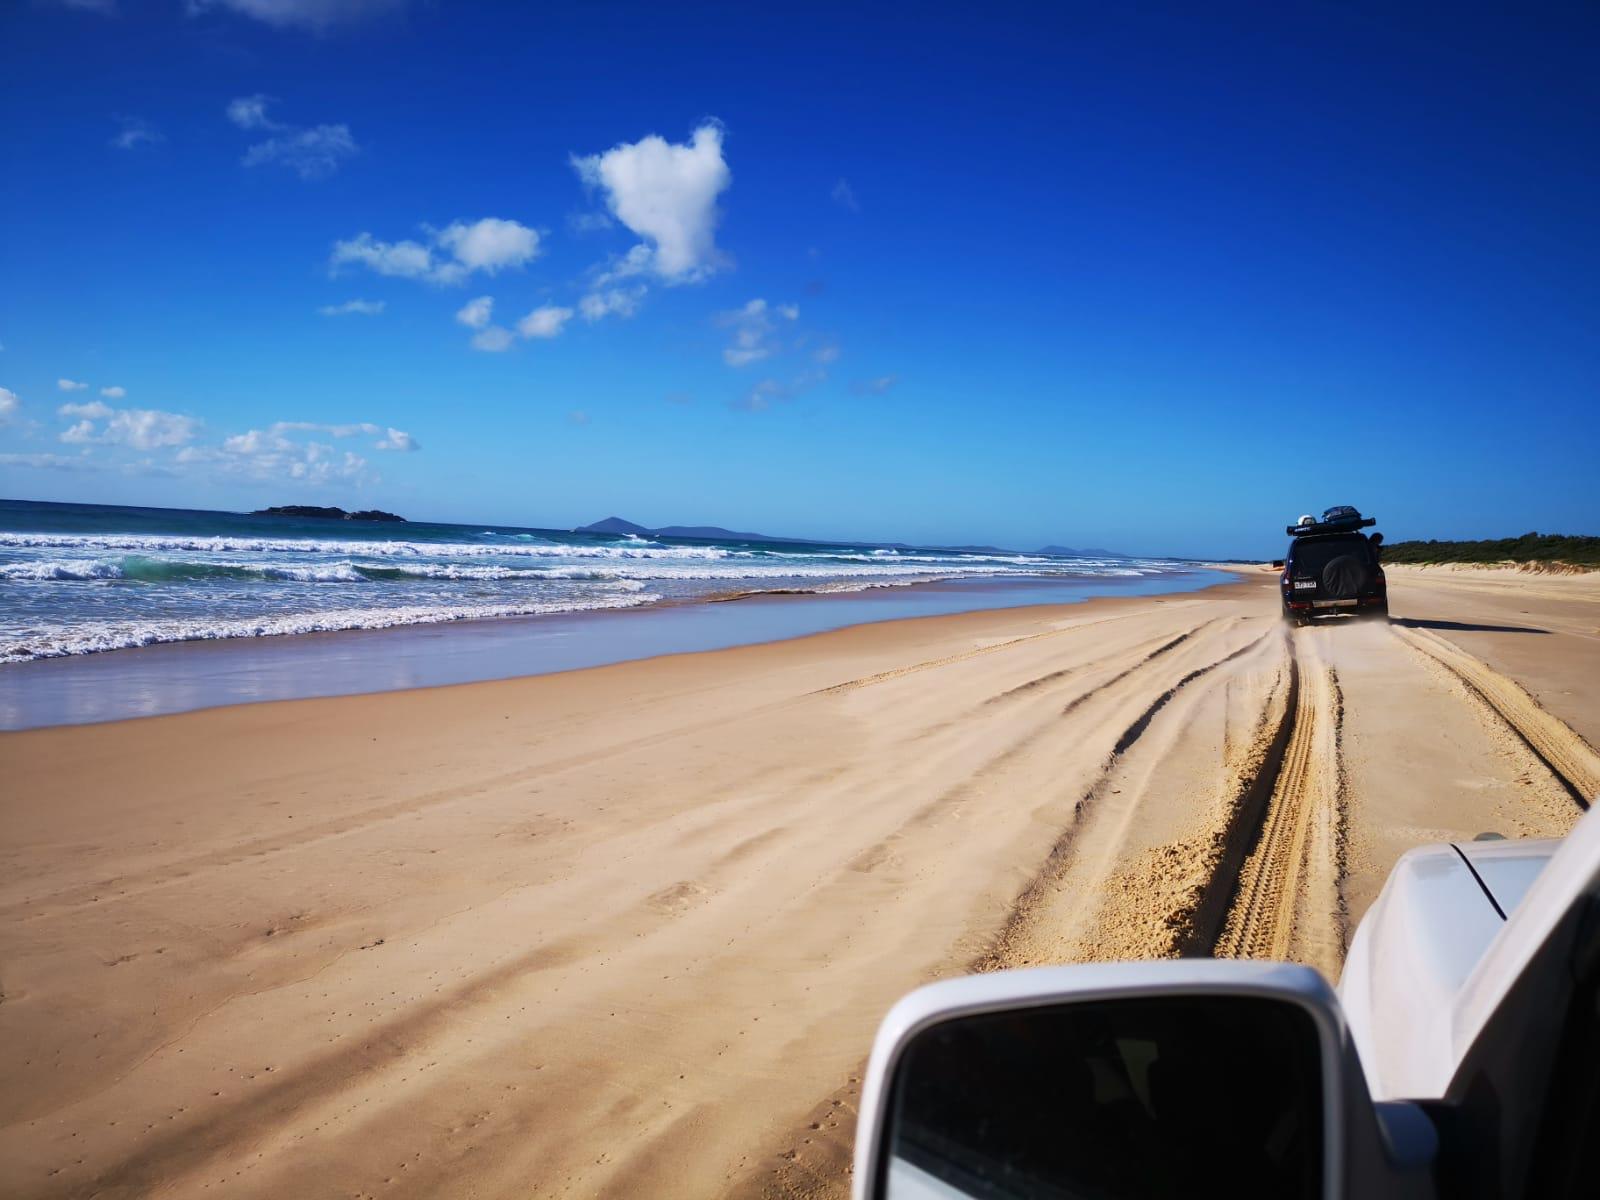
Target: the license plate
(1304, 584)
(1334, 603)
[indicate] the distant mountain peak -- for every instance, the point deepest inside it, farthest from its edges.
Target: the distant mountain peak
(612, 525)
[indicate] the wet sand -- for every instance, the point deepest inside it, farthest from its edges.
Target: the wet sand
(628, 930)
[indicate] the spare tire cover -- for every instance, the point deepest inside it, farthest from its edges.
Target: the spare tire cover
(1344, 577)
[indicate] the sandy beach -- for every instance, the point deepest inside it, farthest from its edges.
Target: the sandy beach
(627, 931)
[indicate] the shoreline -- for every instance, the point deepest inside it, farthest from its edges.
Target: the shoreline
(183, 676)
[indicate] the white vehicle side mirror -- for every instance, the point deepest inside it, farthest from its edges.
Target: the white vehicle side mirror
(1186, 1078)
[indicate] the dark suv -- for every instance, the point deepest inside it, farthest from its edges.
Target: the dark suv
(1332, 569)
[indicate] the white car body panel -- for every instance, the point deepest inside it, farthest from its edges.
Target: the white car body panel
(1420, 951)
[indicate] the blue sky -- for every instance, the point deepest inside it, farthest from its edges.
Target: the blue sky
(1158, 278)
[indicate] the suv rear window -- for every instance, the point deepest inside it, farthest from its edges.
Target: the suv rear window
(1309, 555)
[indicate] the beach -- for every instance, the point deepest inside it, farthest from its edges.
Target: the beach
(628, 930)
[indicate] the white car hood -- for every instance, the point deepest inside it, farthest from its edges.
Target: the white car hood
(1430, 926)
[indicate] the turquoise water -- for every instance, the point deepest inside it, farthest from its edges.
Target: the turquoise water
(88, 579)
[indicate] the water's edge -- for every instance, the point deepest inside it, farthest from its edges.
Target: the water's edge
(187, 676)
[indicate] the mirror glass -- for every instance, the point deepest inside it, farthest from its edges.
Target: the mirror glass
(1161, 1096)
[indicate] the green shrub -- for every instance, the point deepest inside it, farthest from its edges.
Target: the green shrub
(1529, 548)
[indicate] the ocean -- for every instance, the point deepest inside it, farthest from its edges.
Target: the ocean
(78, 579)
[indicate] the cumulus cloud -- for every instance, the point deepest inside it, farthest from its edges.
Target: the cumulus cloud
(490, 245)
(70, 385)
(753, 327)
(546, 321)
(362, 308)
(845, 196)
(666, 193)
(474, 314)
(276, 452)
(114, 392)
(310, 153)
(317, 16)
(259, 455)
(622, 302)
(134, 133)
(140, 428)
(397, 439)
(10, 403)
(494, 339)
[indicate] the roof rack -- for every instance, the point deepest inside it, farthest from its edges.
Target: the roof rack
(1342, 519)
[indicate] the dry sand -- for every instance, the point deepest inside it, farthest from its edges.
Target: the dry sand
(628, 931)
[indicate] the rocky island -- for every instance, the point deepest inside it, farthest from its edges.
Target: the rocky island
(330, 514)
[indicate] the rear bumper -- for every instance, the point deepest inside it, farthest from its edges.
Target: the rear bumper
(1319, 606)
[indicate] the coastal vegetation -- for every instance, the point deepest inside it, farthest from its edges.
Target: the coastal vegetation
(1554, 549)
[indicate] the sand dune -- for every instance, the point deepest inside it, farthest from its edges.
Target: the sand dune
(628, 931)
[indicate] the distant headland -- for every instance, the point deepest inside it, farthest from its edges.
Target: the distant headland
(616, 525)
(329, 514)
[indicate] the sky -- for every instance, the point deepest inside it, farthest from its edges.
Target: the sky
(1153, 277)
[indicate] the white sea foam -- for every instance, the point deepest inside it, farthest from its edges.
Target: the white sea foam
(94, 636)
(159, 543)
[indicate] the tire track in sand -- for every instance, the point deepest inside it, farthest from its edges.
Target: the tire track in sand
(1573, 762)
(1285, 897)
(1033, 906)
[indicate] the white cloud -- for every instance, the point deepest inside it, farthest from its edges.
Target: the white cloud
(309, 153)
(494, 339)
(317, 16)
(135, 133)
(753, 327)
(825, 355)
(140, 428)
(9, 404)
(408, 259)
(474, 314)
(250, 112)
(149, 429)
(623, 302)
(845, 196)
(114, 392)
(546, 321)
(339, 431)
(363, 308)
(70, 385)
(398, 439)
(255, 442)
(80, 433)
(490, 245)
(667, 194)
